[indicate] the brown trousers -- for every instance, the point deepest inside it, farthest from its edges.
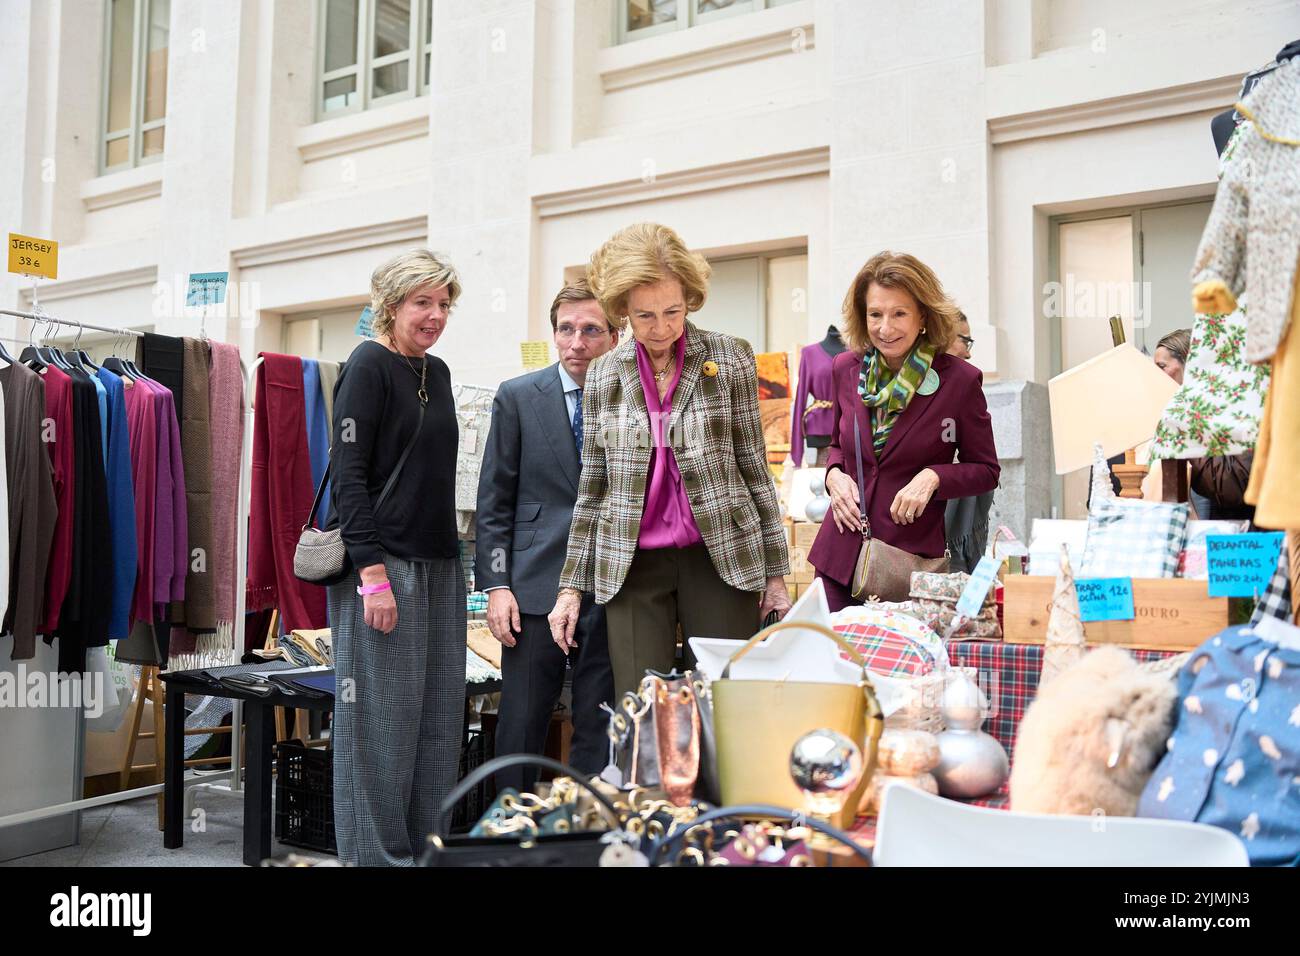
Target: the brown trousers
(665, 587)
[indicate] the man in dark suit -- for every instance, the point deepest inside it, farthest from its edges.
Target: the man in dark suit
(527, 487)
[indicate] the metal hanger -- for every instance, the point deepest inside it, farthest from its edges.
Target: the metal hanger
(86, 360)
(31, 356)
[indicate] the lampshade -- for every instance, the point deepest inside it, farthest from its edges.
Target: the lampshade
(1116, 399)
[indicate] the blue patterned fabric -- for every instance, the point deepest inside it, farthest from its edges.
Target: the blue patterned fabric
(1234, 756)
(577, 423)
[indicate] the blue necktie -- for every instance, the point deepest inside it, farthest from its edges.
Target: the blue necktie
(577, 424)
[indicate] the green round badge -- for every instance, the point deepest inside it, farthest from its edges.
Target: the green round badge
(931, 383)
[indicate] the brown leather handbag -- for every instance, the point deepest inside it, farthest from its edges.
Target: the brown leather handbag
(884, 572)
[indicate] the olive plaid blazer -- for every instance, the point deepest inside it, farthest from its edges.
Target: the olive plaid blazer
(717, 436)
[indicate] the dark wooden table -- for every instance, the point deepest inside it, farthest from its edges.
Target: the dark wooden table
(259, 746)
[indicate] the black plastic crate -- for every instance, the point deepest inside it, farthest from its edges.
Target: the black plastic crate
(478, 748)
(304, 796)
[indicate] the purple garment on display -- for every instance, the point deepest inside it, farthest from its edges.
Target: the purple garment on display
(666, 520)
(815, 379)
(171, 526)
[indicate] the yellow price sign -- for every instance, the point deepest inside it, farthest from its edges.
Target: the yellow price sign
(535, 354)
(33, 257)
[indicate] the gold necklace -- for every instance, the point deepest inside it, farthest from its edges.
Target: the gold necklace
(662, 373)
(424, 367)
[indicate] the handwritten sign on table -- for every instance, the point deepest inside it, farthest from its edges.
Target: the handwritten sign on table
(977, 588)
(1240, 565)
(1105, 599)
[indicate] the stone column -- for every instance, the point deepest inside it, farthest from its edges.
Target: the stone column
(480, 212)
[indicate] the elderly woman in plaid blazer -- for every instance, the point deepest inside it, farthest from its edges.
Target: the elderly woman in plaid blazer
(677, 520)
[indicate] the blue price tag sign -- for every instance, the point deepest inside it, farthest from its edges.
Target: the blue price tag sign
(977, 588)
(366, 324)
(1105, 599)
(207, 288)
(1240, 565)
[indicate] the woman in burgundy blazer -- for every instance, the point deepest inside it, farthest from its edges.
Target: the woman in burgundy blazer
(939, 447)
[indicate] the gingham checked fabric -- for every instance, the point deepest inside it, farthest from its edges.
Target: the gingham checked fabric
(1129, 538)
(397, 736)
(1276, 601)
(716, 433)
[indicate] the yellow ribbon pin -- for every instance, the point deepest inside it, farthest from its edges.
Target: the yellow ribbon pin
(710, 369)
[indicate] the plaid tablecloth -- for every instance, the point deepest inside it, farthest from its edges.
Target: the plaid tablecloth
(1008, 674)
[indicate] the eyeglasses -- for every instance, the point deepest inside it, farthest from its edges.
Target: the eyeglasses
(970, 342)
(589, 332)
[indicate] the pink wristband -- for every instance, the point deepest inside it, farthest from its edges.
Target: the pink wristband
(375, 588)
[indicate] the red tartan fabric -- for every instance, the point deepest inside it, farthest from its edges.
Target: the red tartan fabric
(1008, 675)
(887, 652)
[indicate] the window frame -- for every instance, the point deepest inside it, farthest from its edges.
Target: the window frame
(135, 132)
(417, 48)
(688, 16)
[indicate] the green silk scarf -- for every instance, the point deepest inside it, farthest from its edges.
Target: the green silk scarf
(882, 389)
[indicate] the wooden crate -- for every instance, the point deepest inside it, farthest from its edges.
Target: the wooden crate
(1173, 614)
(802, 536)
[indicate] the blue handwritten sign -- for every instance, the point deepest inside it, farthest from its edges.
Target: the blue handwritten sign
(1240, 565)
(207, 288)
(977, 588)
(366, 324)
(1105, 599)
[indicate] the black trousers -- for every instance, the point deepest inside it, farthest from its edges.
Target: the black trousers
(532, 678)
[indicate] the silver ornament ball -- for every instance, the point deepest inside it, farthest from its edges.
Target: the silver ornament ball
(827, 767)
(971, 764)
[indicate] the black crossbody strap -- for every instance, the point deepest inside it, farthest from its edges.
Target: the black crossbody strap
(389, 485)
(862, 488)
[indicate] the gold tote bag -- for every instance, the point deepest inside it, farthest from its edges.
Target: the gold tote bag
(758, 721)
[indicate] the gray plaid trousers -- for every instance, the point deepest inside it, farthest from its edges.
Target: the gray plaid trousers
(400, 711)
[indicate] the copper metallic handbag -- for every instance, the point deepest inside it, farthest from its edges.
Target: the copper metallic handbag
(758, 721)
(884, 572)
(662, 737)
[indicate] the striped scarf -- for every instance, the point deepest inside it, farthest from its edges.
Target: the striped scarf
(882, 389)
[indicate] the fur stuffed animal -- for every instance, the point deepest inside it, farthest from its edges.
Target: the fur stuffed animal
(1091, 739)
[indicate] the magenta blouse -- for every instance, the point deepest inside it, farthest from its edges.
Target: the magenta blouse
(666, 521)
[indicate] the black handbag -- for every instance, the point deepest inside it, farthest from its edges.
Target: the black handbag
(656, 852)
(577, 848)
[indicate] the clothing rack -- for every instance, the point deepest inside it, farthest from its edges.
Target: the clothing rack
(59, 809)
(52, 320)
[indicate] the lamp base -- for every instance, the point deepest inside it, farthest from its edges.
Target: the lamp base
(1130, 479)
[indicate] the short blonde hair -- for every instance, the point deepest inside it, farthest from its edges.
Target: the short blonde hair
(397, 278)
(643, 254)
(898, 270)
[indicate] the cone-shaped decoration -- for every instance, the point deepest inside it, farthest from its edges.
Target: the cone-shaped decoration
(1102, 489)
(1064, 644)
